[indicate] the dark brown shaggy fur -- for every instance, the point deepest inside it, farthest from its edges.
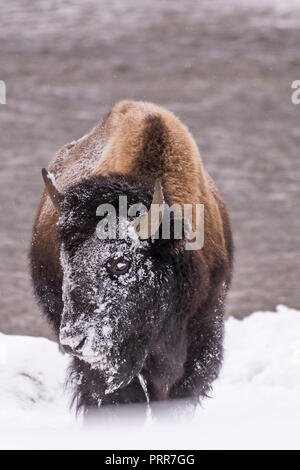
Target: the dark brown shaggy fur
(137, 143)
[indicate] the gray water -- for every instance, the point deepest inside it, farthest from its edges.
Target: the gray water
(224, 67)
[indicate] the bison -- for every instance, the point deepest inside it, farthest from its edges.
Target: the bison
(132, 307)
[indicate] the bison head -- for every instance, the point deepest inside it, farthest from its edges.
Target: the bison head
(117, 293)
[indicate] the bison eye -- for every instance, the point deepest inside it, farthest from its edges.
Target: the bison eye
(118, 266)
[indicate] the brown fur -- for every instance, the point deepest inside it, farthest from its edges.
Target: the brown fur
(135, 144)
(140, 139)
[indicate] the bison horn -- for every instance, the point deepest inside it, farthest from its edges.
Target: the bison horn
(147, 225)
(55, 195)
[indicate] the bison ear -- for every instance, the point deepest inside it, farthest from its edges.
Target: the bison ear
(55, 195)
(175, 235)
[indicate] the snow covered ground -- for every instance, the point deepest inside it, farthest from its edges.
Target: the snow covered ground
(255, 404)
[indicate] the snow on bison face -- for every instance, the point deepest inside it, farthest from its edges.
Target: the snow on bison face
(115, 298)
(117, 293)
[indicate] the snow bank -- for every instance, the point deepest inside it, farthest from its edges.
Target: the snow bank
(255, 404)
(32, 375)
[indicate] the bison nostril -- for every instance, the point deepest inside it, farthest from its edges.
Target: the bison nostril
(67, 349)
(80, 345)
(72, 347)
